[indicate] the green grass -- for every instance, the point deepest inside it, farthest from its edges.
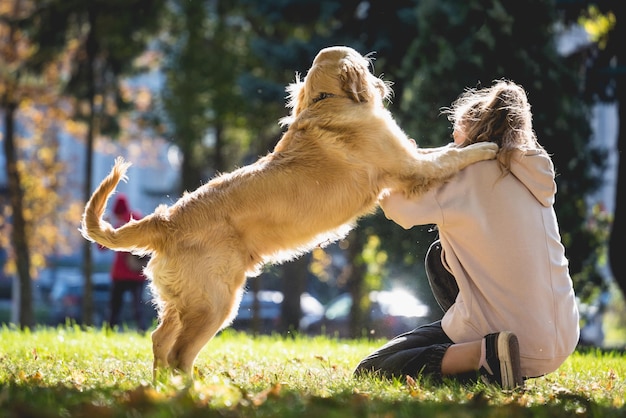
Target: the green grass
(98, 373)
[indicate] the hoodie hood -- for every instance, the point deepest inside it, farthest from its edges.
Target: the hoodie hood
(535, 170)
(121, 208)
(122, 211)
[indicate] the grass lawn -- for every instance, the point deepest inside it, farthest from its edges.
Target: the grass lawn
(66, 372)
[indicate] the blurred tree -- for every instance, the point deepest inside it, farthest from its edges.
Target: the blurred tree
(617, 71)
(205, 49)
(13, 46)
(605, 81)
(37, 216)
(107, 35)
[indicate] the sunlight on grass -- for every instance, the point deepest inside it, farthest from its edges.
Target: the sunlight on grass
(76, 358)
(68, 372)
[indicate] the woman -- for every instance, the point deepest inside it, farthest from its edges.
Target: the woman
(515, 314)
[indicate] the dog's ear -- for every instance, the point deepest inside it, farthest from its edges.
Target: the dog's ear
(354, 80)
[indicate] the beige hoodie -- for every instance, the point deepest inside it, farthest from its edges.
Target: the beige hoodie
(501, 241)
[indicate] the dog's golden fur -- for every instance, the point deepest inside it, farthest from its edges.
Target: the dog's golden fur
(342, 148)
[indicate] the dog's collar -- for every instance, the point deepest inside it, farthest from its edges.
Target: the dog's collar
(323, 96)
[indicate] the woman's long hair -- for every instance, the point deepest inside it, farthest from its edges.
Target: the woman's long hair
(500, 114)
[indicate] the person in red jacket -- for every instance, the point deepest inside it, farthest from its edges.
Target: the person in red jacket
(126, 271)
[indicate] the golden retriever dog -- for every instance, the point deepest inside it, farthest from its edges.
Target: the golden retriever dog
(340, 150)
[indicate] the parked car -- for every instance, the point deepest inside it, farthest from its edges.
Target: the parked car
(270, 311)
(391, 313)
(66, 298)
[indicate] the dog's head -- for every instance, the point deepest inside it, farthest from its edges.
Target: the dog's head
(337, 72)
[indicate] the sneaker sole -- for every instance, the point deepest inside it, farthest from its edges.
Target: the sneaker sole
(508, 354)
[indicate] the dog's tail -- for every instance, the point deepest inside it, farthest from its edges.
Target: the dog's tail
(139, 236)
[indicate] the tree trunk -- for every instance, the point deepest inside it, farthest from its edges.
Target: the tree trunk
(255, 288)
(18, 231)
(356, 283)
(219, 164)
(294, 276)
(87, 314)
(19, 240)
(617, 240)
(190, 175)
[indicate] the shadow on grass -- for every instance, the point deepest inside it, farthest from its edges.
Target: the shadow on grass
(27, 400)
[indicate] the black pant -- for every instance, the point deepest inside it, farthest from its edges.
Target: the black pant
(419, 352)
(119, 287)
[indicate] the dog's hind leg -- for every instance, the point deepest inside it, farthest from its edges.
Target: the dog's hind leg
(202, 316)
(164, 336)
